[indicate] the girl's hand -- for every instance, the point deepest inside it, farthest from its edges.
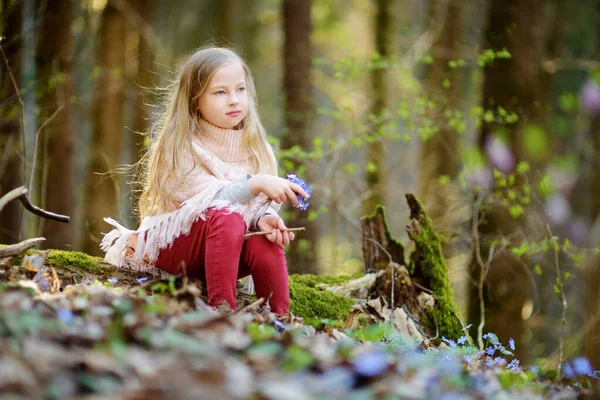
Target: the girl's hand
(276, 188)
(275, 225)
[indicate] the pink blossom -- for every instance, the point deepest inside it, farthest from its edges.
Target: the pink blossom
(590, 97)
(499, 154)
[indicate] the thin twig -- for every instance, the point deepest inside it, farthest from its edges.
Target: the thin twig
(483, 271)
(393, 269)
(37, 135)
(423, 288)
(563, 299)
(264, 233)
(16, 87)
(251, 306)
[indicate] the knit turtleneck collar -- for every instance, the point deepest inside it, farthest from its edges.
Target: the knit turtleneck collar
(224, 143)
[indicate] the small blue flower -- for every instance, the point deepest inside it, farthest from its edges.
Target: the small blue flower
(467, 359)
(498, 360)
(511, 343)
(568, 371)
(467, 327)
(65, 315)
(534, 369)
(279, 324)
(141, 280)
(450, 342)
(513, 365)
(371, 363)
(487, 336)
(490, 351)
(581, 366)
(462, 340)
(303, 204)
(112, 279)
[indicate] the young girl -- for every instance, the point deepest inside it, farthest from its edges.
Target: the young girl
(210, 176)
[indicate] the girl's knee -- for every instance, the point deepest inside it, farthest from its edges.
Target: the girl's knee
(266, 253)
(231, 221)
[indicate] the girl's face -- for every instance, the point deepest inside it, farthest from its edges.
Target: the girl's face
(224, 102)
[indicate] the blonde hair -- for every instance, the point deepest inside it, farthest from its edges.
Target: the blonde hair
(172, 133)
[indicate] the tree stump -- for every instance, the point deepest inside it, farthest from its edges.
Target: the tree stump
(378, 244)
(421, 287)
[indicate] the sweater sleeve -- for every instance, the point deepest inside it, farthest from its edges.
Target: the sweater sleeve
(237, 192)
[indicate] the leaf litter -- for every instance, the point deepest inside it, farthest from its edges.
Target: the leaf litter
(158, 339)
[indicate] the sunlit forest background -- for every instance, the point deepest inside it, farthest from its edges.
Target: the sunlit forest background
(488, 111)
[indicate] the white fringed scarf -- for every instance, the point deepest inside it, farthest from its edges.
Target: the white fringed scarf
(155, 233)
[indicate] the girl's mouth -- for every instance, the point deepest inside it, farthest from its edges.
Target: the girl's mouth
(234, 113)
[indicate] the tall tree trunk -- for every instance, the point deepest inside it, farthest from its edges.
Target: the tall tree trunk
(374, 151)
(107, 139)
(297, 59)
(143, 89)
(592, 294)
(11, 150)
(514, 84)
(439, 154)
(54, 58)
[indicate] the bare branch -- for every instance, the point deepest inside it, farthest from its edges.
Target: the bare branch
(19, 248)
(21, 194)
(12, 195)
(42, 213)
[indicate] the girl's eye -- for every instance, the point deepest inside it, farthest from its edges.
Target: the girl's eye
(220, 92)
(242, 89)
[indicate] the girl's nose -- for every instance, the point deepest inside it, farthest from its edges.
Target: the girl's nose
(233, 100)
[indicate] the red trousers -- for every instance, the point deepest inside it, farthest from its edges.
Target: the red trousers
(215, 250)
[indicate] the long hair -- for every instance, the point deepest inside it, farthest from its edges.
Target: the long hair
(172, 134)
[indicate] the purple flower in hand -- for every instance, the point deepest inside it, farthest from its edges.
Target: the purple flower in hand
(302, 203)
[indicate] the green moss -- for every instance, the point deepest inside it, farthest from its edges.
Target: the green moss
(308, 301)
(77, 260)
(71, 259)
(432, 267)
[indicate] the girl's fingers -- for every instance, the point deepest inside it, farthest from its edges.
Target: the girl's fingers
(279, 239)
(285, 238)
(291, 235)
(298, 189)
(292, 196)
(272, 236)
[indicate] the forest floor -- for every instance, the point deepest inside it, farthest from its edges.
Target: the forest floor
(76, 331)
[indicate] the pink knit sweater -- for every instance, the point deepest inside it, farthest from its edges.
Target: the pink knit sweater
(193, 191)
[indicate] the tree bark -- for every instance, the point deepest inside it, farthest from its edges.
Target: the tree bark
(11, 167)
(54, 58)
(142, 84)
(297, 58)
(374, 151)
(103, 195)
(439, 154)
(514, 84)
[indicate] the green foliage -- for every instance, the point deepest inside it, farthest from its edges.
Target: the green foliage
(308, 301)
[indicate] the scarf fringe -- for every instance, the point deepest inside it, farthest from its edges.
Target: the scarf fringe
(159, 232)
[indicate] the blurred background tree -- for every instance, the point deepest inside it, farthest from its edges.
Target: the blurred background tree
(366, 100)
